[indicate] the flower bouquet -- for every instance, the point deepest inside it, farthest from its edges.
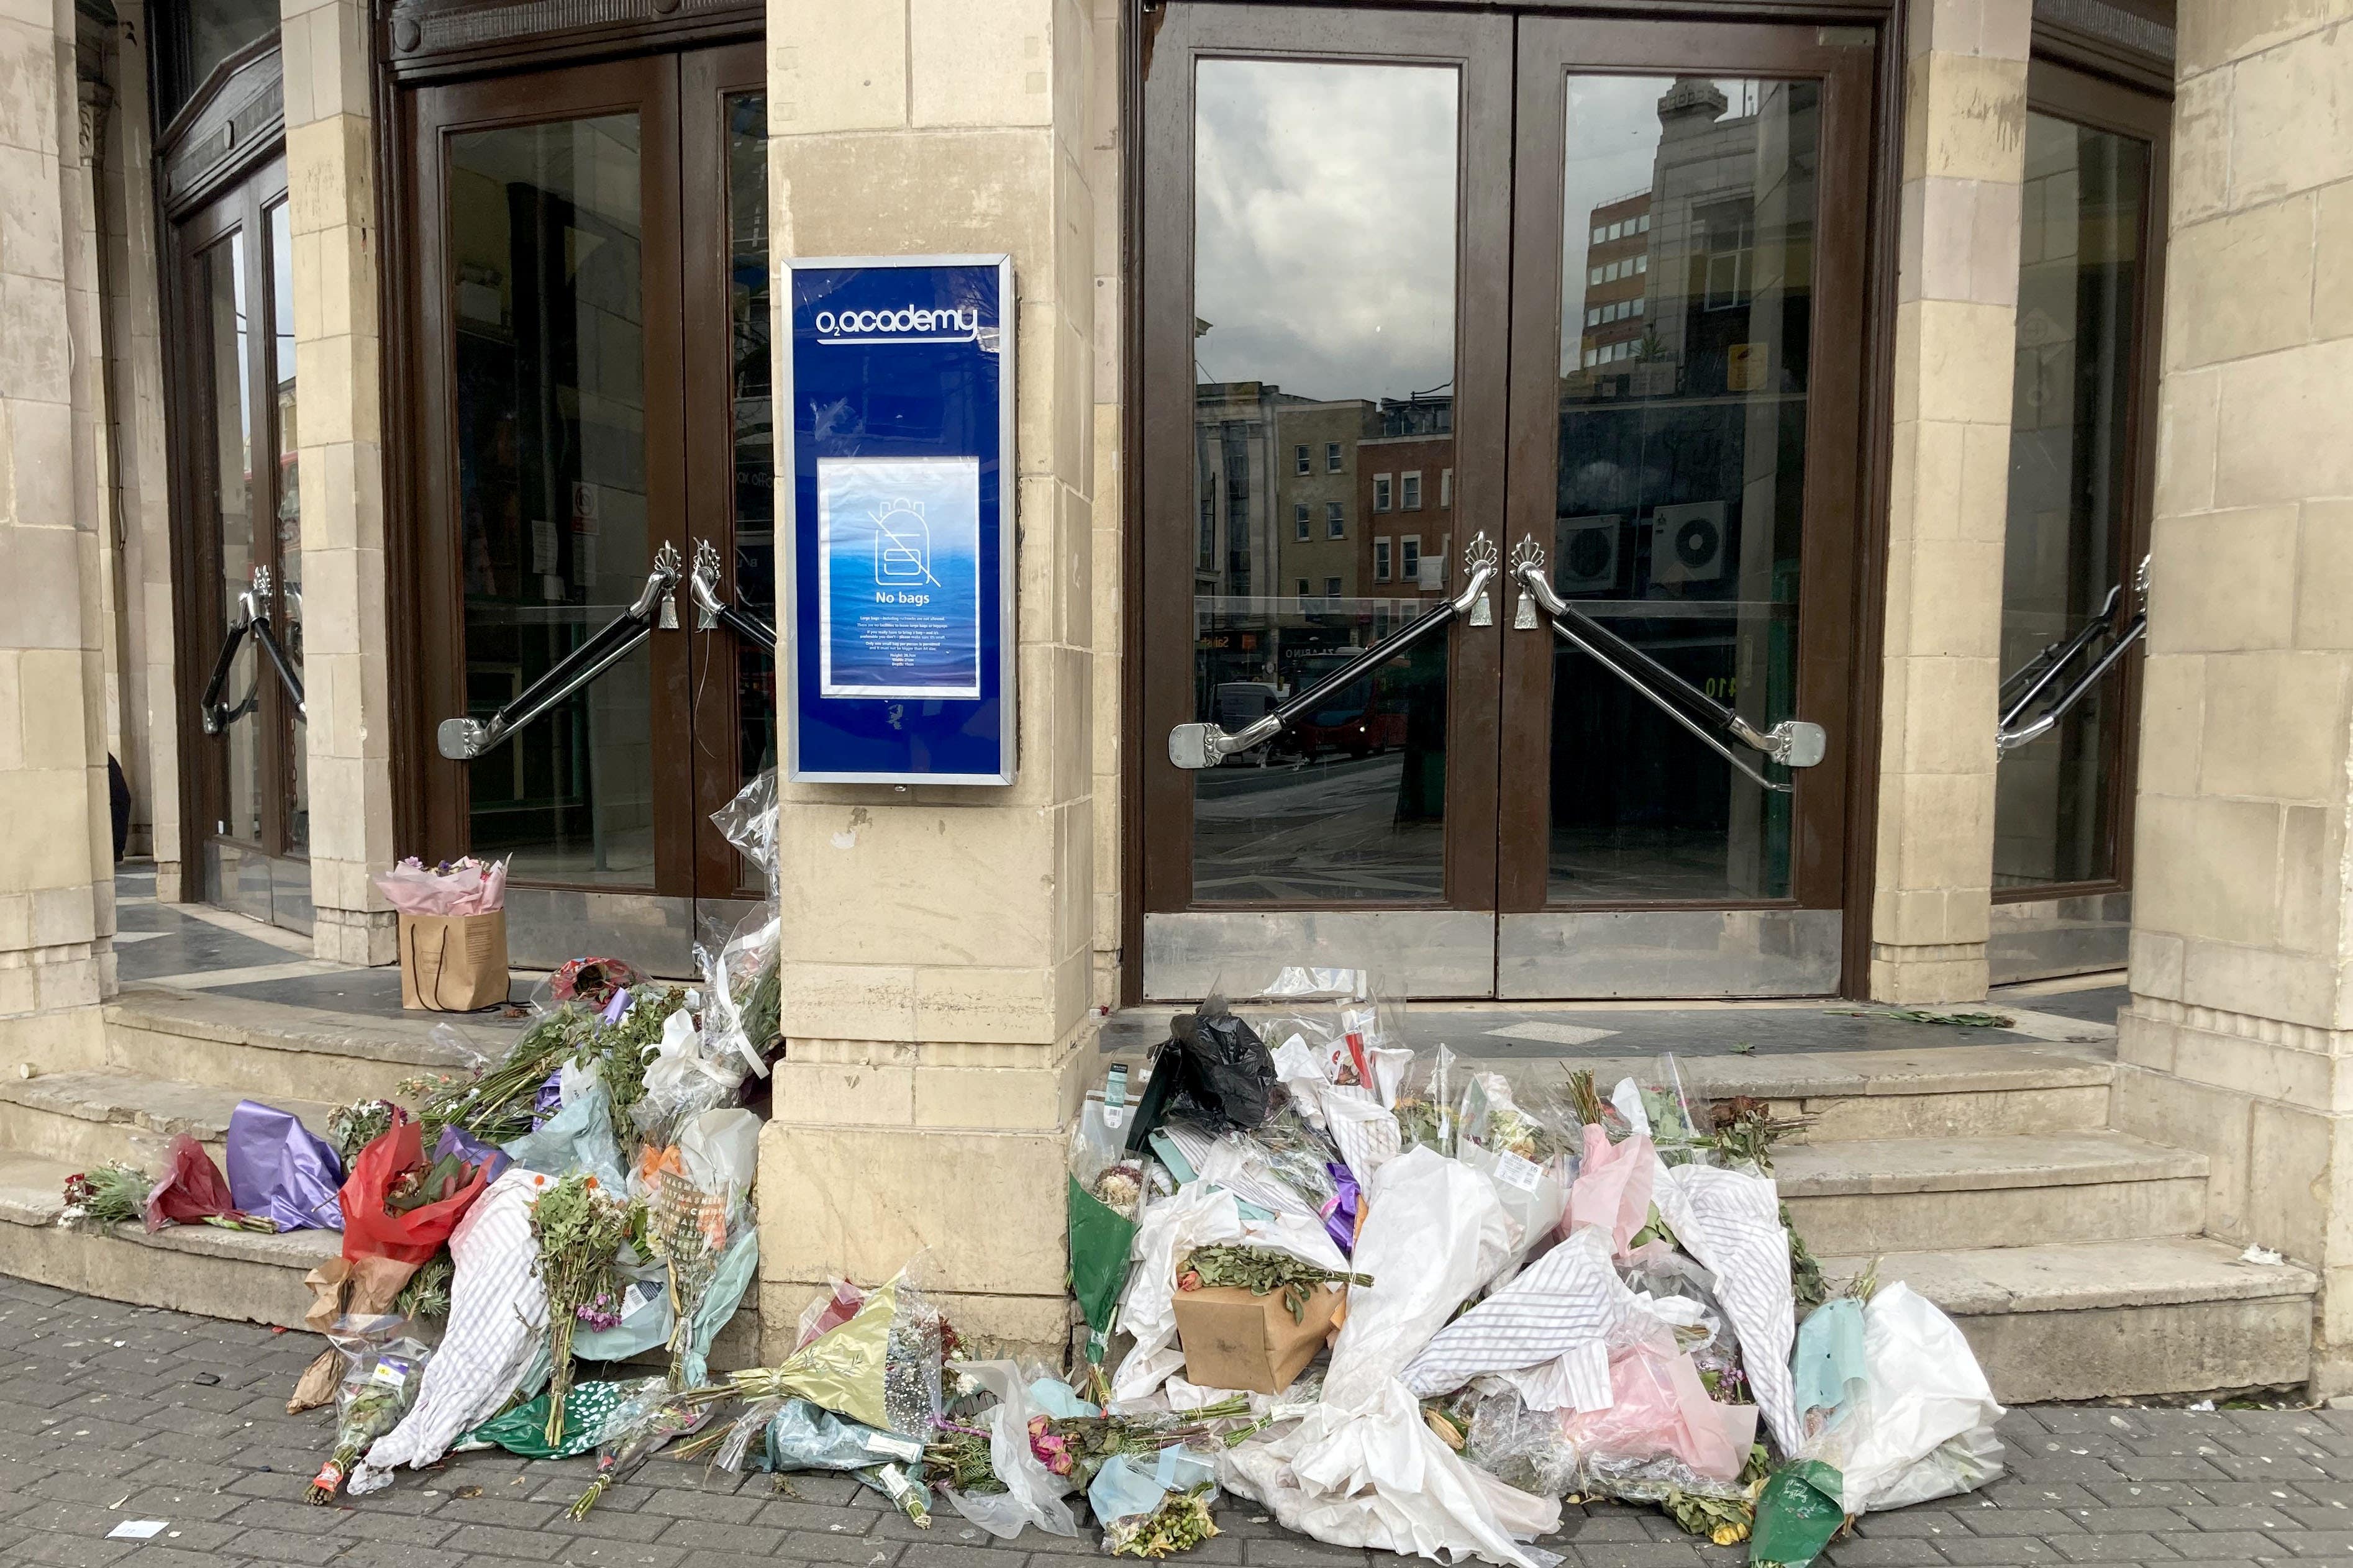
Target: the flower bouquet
(379, 1386)
(1180, 1523)
(1076, 1447)
(686, 1228)
(398, 1205)
(192, 1191)
(108, 1194)
(580, 1229)
(649, 1416)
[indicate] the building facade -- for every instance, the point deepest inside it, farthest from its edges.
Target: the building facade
(1842, 363)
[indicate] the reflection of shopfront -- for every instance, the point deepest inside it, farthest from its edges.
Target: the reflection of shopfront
(1662, 397)
(589, 395)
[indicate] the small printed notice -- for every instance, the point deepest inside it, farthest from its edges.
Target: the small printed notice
(1515, 1171)
(899, 593)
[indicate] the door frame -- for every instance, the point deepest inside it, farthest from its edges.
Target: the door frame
(1735, 946)
(1436, 933)
(268, 880)
(645, 85)
(1866, 605)
(2062, 92)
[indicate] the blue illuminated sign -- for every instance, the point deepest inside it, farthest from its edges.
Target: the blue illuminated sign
(897, 412)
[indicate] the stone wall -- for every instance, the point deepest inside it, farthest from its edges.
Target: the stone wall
(57, 889)
(2238, 1036)
(330, 187)
(939, 942)
(1957, 286)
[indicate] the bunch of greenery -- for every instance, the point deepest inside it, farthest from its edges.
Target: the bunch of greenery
(1261, 1271)
(1181, 1522)
(355, 1126)
(580, 1230)
(106, 1194)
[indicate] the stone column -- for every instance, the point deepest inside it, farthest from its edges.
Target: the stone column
(331, 180)
(1964, 160)
(56, 884)
(2238, 1036)
(937, 981)
(151, 758)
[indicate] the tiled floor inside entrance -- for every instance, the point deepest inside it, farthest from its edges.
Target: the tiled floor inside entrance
(191, 947)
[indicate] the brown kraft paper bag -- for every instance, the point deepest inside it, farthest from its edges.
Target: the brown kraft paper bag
(1232, 1339)
(341, 1287)
(453, 964)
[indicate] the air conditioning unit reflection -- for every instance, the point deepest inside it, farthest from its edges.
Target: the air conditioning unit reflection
(1585, 553)
(1687, 542)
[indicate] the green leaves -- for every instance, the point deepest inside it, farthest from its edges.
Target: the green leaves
(1263, 1273)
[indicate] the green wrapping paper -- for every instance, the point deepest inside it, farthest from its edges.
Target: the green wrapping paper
(1100, 1241)
(1797, 1513)
(524, 1429)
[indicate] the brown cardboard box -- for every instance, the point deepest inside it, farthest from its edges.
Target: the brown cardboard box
(453, 964)
(1232, 1339)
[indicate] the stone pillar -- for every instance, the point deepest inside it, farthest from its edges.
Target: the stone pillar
(937, 983)
(1964, 160)
(151, 754)
(330, 181)
(1107, 563)
(2238, 1036)
(56, 883)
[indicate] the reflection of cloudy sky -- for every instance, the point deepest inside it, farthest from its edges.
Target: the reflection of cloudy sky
(1324, 213)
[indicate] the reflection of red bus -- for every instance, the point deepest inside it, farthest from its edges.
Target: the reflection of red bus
(1361, 718)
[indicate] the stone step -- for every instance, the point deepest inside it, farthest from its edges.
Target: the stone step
(268, 1052)
(88, 1118)
(1909, 1195)
(1934, 1091)
(203, 1268)
(2090, 1320)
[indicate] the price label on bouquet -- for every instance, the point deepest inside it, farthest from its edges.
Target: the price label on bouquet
(896, 410)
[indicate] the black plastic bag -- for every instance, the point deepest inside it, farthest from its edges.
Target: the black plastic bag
(1215, 1071)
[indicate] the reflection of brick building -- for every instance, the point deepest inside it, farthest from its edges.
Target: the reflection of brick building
(1617, 280)
(1318, 515)
(1405, 490)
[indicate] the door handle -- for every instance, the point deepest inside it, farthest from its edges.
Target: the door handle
(2012, 729)
(710, 610)
(463, 739)
(1793, 742)
(1195, 746)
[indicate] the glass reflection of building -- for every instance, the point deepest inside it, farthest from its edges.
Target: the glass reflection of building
(1682, 404)
(1315, 517)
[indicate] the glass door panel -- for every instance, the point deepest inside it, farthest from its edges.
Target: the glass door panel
(294, 767)
(593, 401)
(1323, 259)
(233, 436)
(1326, 266)
(228, 434)
(2071, 480)
(548, 305)
(1688, 209)
(1687, 310)
(2091, 253)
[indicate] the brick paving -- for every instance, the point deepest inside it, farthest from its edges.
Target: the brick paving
(111, 1412)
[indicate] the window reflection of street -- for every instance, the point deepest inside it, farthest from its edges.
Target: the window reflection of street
(1686, 282)
(1294, 831)
(1323, 426)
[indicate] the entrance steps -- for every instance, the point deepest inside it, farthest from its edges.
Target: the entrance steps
(216, 1051)
(1987, 1176)
(2072, 1255)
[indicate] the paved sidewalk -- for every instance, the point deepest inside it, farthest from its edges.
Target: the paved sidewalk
(111, 1412)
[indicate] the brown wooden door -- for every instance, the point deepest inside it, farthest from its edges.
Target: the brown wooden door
(579, 405)
(1326, 283)
(1589, 286)
(1687, 311)
(235, 426)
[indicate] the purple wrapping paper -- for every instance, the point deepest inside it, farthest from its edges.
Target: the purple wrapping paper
(474, 1150)
(547, 1101)
(1340, 1213)
(279, 1171)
